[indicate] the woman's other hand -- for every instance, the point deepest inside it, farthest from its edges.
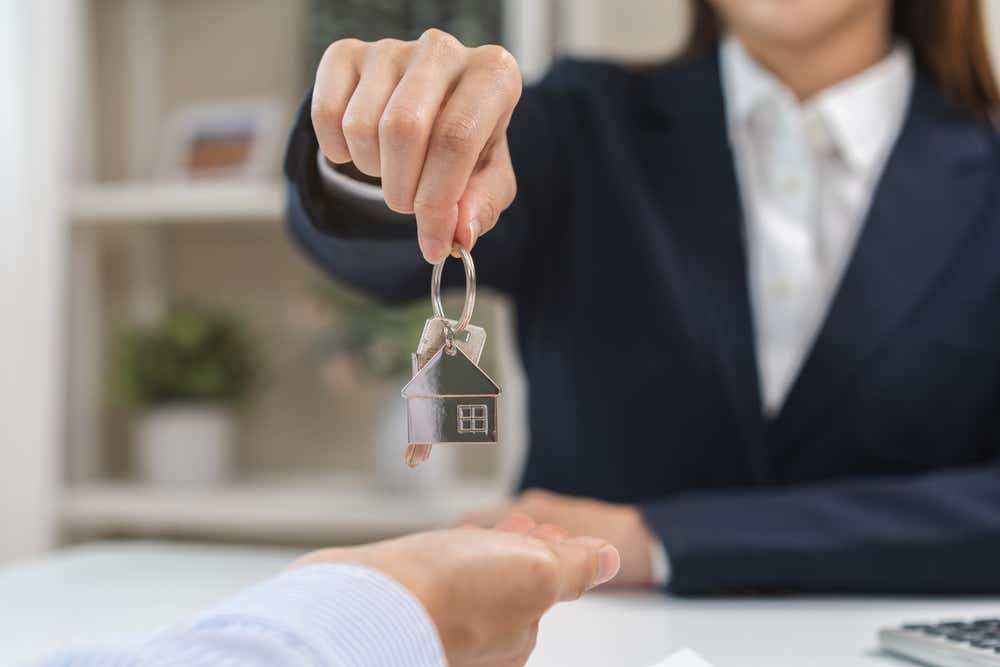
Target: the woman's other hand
(619, 524)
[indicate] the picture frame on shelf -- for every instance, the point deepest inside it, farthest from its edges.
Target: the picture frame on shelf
(234, 140)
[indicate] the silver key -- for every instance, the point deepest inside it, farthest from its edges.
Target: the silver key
(450, 399)
(470, 340)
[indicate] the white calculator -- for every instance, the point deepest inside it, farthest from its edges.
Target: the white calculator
(973, 643)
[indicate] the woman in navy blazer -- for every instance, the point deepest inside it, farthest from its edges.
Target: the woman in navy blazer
(625, 252)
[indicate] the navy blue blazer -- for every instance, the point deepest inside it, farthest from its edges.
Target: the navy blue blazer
(624, 254)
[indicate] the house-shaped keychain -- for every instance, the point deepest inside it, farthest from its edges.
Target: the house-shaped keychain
(451, 401)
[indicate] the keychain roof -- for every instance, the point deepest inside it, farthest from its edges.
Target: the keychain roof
(445, 371)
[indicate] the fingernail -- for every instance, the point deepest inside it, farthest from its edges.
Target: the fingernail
(475, 229)
(411, 456)
(608, 564)
(433, 248)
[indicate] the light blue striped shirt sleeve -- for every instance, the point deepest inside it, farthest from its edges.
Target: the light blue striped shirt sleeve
(340, 615)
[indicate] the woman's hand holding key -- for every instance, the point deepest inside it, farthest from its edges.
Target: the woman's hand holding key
(430, 119)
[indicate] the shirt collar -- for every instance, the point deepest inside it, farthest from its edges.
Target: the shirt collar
(746, 86)
(863, 113)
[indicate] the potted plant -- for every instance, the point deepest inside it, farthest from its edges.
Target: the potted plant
(184, 377)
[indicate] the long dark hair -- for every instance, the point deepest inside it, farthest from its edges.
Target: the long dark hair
(948, 39)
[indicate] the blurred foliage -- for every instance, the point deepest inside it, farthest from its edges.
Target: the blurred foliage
(474, 22)
(194, 354)
(381, 337)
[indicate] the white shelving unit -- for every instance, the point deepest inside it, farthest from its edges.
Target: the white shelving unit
(331, 509)
(339, 508)
(130, 222)
(140, 210)
(140, 203)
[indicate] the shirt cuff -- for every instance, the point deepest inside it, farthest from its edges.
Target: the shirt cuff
(363, 197)
(341, 185)
(659, 564)
(348, 615)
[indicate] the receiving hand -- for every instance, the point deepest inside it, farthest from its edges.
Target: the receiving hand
(486, 590)
(622, 525)
(430, 119)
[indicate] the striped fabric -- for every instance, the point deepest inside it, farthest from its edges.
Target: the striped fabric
(339, 615)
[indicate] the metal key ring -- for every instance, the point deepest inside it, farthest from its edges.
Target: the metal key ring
(470, 289)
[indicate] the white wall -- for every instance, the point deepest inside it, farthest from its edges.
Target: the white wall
(36, 77)
(647, 29)
(630, 30)
(993, 18)
(528, 35)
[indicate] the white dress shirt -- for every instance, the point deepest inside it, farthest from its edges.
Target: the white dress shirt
(807, 174)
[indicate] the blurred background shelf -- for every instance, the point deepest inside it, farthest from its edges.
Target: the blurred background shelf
(136, 203)
(154, 229)
(133, 233)
(336, 509)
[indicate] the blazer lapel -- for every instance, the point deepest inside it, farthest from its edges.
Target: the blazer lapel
(687, 153)
(934, 188)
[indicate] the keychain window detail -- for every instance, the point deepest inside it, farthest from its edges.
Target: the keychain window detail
(472, 419)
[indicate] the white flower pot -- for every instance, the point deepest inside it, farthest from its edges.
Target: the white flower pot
(392, 475)
(185, 445)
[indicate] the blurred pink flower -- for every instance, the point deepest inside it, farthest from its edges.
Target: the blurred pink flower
(340, 374)
(309, 316)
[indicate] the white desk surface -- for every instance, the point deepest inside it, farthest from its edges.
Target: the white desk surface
(113, 591)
